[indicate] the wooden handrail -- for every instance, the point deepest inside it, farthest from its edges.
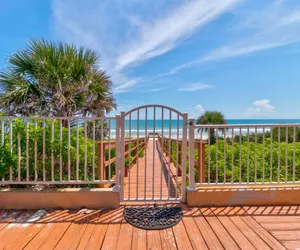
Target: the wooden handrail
(199, 146)
(104, 145)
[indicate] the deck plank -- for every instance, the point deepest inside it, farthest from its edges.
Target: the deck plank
(91, 224)
(125, 236)
(181, 236)
(235, 214)
(215, 228)
(16, 227)
(153, 171)
(263, 233)
(167, 239)
(293, 244)
(7, 217)
(32, 230)
(97, 237)
(153, 239)
(139, 239)
(287, 235)
(194, 234)
(113, 230)
(281, 226)
(233, 229)
(71, 237)
(209, 236)
(224, 237)
(52, 232)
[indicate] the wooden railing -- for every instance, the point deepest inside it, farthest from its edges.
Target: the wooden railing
(131, 145)
(169, 146)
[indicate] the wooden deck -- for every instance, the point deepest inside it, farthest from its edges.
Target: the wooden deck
(201, 228)
(152, 176)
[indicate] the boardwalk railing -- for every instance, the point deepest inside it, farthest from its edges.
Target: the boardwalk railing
(173, 150)
(245, 154)
(238, 154)
(72, 150)
(61, 150)
(107, 157)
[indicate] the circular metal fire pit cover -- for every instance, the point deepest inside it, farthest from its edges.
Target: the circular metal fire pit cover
(153, 217)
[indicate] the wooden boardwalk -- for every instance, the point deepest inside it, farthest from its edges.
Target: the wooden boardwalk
(152, 176)
(201, 228)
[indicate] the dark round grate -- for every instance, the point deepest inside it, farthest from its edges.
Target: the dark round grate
(153, 217)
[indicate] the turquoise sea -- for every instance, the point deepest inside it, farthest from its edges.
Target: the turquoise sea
(173, 128)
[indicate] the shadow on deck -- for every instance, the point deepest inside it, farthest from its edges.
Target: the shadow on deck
(201, 228)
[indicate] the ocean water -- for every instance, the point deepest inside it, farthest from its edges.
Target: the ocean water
(173, 128)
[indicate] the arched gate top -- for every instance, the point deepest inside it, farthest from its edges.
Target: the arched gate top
(154, 106)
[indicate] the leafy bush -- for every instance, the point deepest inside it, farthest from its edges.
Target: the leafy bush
(6, 160)
(271, 164)
(47, 146)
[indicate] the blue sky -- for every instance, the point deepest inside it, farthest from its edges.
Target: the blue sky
(241, 57)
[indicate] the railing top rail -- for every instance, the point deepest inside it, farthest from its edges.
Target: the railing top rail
(247, 125)
(154, 106)
(56, 118)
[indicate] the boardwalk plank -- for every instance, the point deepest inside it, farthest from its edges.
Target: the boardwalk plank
(139, 239)
(167, 239)
(71, 237)
(7, 217)
(181, 236)
(287, 235)
(234, 230)
(113, 230)
(52, 232)
(153, 240)
(235, 214)
(263, 233)
(141, 173)
(91, 224)
(21, 240)
(224, 237)
(194, 234)
(125, 236)
(16, 228)
(293, 244)
(97, 237)
(209, 236)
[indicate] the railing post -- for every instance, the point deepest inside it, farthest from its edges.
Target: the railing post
(118, 158)
(184, 142)
(171, 151)
(101, 158)
(201, 161)
(192, 185)
(179, 154)
(129, 155)
(122, 148)
(136, 151)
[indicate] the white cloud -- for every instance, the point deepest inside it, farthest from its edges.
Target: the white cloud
(273, 26)
(262, 108)
(199, 109)
(164, 34)
(196, 111)
(154, 90)
(265, 104)
(124, 34)
(126, 87)
(195, 87)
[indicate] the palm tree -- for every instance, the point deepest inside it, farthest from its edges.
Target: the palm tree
(211, 117)
(55, 79)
